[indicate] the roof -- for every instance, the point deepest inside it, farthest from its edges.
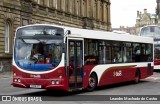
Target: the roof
(95, 34)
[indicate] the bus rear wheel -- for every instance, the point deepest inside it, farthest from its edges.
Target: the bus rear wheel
(137, 77)
(92, 82)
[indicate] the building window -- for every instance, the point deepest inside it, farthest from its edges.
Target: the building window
(83, 5)
(55, 4)
(67, 6)
(95, 9)
(25, 22)
(42, 2)
(78, 6)
(84, 8)
(7, 32)
(37, 1)
(101, 11)
(48, 2)
(89, 9)
(59, 4)
(63, 2)
(72, 6)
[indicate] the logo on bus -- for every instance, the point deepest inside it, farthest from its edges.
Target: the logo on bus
(117, 73)
(35, 76)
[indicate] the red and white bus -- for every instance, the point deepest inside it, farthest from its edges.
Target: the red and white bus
(64, 58)
(154, 32)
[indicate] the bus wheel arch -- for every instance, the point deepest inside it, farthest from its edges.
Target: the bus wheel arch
(92, 81)
(137, 76)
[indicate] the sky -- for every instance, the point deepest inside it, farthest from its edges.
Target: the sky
(124, 12)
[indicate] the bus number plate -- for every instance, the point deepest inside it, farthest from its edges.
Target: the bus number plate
(35, 86)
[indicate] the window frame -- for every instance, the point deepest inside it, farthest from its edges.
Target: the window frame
(7, 37)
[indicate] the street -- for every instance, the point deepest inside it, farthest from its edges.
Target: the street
(149, 86)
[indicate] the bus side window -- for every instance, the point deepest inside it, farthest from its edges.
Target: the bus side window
(91, 60)
(148, 50)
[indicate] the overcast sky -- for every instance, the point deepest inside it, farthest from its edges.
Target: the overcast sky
(124, 12)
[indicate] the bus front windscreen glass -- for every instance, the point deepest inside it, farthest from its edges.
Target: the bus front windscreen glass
(150, 31)
(38, 53)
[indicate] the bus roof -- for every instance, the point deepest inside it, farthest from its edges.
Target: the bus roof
(150, 25)
(97, 34)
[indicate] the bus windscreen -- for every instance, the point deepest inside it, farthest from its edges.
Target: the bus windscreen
(38, 51)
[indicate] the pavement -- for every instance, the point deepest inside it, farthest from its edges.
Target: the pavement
(6, 75)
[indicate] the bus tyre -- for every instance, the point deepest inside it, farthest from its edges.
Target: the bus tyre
(137, 77)
(92, 82)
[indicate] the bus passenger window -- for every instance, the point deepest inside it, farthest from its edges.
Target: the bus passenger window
(148, 50)
(137, 51)
(124, 58)
(91, 60)
(117, 57)
(129, 58)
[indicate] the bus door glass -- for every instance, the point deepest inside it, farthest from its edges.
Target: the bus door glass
(75, 59)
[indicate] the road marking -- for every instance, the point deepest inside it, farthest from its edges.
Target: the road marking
(5, 78)
(155, 78)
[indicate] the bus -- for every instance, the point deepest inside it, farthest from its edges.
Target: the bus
(154, 32)
(56, 57)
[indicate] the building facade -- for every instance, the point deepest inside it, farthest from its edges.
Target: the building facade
(123, 29)
(88, 14)
(130, 30)
(146, 18)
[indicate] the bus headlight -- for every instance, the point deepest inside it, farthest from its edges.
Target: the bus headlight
(57, 82)
(19, 80)
(53, 82)
(15, 80)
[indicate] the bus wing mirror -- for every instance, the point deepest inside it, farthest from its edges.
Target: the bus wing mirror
(68, 32)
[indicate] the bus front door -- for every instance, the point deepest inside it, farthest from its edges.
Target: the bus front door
(75, 59)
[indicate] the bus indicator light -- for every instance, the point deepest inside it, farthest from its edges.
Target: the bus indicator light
(60, 77)
(14, 74)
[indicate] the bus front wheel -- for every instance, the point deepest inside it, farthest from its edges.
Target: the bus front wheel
(92, 82)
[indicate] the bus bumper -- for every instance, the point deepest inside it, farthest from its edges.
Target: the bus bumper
(54, 84)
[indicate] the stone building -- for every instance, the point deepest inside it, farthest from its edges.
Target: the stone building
(146, 18)
(130, 30)
(123, 29)
(88, 14)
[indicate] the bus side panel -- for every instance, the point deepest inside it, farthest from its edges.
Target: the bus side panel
(107, 78)
(86, 74)
(144, 73)
(117, 75)
(129, 74)
(157, 64)
(44, 80)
